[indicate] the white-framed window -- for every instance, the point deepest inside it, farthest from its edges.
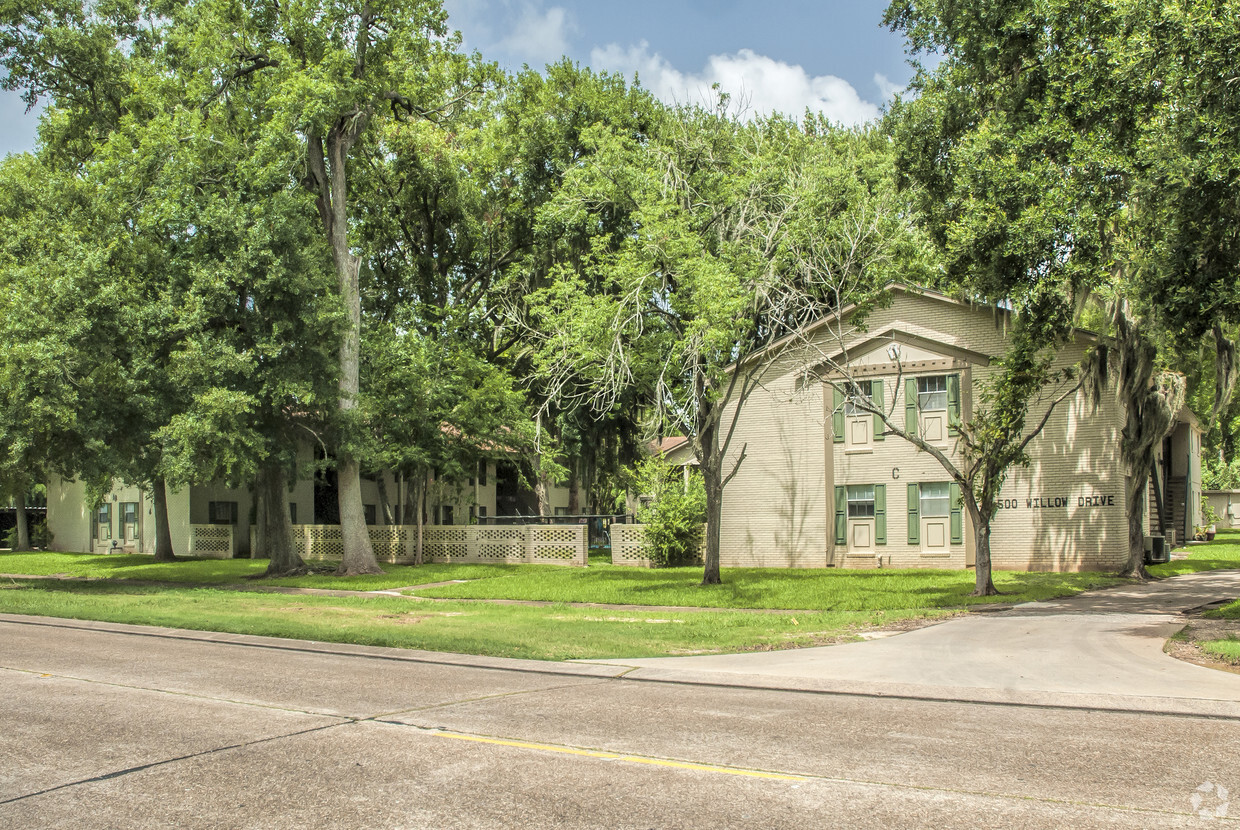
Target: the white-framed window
(932, 392)
(861, 501)
(935, 500)
(856, 395)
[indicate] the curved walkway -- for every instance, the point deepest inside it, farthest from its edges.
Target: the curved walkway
(1104, 644)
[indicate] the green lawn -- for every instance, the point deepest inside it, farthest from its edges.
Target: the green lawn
(776, 588)
(782, 588)
(1228, 649)
(225, 571)
(821, 605)
(553, 632)
(1222, 553)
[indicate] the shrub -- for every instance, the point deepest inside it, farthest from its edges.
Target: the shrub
(1216, 475)
(40, 536)
(673, 512)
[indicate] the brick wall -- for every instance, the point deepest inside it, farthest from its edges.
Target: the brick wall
(1064, 512)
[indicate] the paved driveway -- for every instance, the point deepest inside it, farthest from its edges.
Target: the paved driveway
(1103, 648)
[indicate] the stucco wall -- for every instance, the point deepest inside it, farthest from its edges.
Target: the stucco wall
(68, 517)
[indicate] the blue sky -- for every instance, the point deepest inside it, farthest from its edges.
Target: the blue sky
(778, 55)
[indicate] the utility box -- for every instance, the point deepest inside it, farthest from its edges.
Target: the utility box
(1157, 551)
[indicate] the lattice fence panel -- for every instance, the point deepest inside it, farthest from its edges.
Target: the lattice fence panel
(211, 541)
(502, 543)
(626, 545)
(319, 541)
(445, 543)
(389, 542)
(558, 544)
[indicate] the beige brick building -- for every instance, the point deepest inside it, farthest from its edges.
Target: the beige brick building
(215, 519)
(821, 486)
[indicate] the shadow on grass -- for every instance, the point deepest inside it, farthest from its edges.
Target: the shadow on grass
(100, 588)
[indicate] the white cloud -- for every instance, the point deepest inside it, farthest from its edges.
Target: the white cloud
(514, 31)
(758, 84)
(538, 36)
(887, 91)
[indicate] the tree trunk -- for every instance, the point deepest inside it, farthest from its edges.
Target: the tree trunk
(713, 482)
(278, 532)
(163, 533)
(385, 504)
(983, 585)
(540, 490)
(1136, 486)
(400, 498)
(419, 514)
(260, 521)
(331, 179)
(23, 529)
(574, 489)
(359, 555)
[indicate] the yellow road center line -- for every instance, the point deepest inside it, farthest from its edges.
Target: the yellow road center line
(631, 759)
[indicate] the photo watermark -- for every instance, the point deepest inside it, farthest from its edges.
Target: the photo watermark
(1210, 801)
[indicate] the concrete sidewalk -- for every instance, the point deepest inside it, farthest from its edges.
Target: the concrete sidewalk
(1104, 648)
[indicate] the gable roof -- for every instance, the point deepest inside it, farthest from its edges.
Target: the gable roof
(891, 288)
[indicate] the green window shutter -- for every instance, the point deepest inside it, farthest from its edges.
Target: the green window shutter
(837, 417)
(910, 406)
(957, 519)
(876, 392)
(914, 514)
(841, 516)
(953, 404)
(880, 514)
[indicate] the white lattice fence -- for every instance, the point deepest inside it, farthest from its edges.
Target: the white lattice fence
(390, 542)
(626, 545)
(502, 544)
(557, 544)
(211, 541)
(318, 541)
(498, 543)
(445, 543)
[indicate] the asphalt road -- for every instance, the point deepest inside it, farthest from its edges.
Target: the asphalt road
(112, 726)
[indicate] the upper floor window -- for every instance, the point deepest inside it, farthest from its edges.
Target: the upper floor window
(932, 392)
(857, 397)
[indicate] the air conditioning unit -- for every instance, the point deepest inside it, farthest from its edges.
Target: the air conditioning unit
(1157, 551)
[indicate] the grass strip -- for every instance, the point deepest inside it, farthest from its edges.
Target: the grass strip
(771, 588)
(1227, 649)
(778, 588)
(546, 633)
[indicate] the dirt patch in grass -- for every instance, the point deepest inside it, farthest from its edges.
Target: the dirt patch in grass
(1186, 645)
(856, 633)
